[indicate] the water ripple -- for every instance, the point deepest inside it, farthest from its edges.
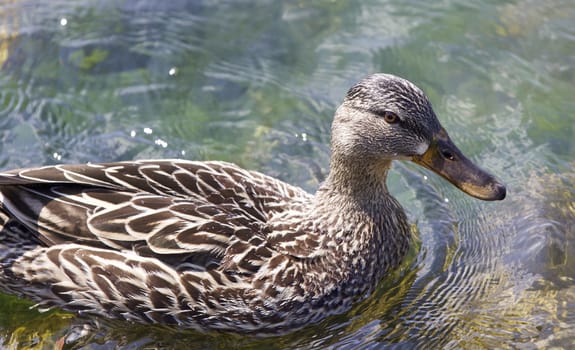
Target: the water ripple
(258, 85)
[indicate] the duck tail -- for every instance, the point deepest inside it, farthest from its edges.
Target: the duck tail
(15, 240)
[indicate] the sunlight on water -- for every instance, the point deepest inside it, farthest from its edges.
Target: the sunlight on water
(258, 83)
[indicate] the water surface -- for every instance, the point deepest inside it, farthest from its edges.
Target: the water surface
(257, 83)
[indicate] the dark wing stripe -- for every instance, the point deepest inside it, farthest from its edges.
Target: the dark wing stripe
(77, 177)
(146, 224)
(165, 239)
(126, 176)
(187, 182)
(111, 223)
(160, 178)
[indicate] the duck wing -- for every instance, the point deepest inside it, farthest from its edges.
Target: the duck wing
(191, 211)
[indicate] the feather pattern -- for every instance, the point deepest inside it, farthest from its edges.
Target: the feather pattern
(211, 246)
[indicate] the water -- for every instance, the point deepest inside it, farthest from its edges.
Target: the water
(257, 83)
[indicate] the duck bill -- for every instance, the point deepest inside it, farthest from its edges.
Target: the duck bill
(445, 159)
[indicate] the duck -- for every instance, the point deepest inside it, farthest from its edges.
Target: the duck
(210, 246)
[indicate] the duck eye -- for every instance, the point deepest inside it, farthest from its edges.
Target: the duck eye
(390, 117)
(447, 154)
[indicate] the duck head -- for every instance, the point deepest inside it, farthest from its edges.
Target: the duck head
(384, 117)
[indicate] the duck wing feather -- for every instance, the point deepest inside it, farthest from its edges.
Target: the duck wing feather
(202, 211)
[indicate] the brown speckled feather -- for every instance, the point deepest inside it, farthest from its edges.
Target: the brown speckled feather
(210, 246)
(176, 207)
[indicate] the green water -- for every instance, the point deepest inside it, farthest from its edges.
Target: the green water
(257, 83)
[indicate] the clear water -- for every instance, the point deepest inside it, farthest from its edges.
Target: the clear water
(257, 82)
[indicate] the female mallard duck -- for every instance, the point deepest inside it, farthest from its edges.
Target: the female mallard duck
(211, 246)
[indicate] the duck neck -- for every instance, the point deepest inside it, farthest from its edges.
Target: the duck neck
(368, 233)
(356, 180)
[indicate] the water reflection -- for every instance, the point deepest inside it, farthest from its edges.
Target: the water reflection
(257, 83)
